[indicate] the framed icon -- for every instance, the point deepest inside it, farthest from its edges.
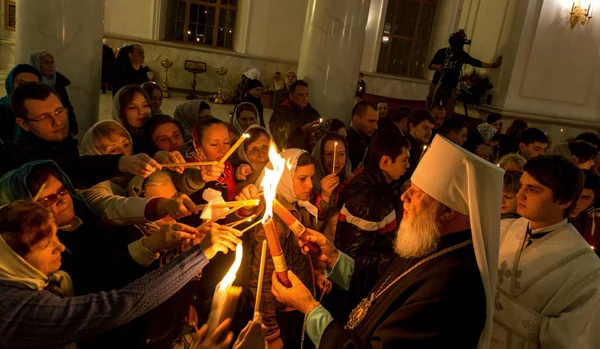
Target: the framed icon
(195, 67)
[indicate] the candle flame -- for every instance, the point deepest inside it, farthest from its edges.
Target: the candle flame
(229, 278)
(272, 174)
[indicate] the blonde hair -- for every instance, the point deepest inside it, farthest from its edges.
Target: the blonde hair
(514, 162)
(137, 186)
(484, 150)
(107, 130)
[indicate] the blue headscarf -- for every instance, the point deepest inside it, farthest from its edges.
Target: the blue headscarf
(35, 60)
(13, 185)
(9, 84)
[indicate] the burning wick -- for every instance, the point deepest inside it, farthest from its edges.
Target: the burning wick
(320, 120)
(334, 152)
(423, 153)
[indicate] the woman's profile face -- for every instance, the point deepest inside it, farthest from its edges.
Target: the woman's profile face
(47, 67)
(302, 180)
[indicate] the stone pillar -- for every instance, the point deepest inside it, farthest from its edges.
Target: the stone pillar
(72, 31)
(331, 53)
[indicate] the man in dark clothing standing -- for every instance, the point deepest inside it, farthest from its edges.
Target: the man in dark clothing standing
(364, 124)
(447, 63)
(420, 126)
(584, 217)
(294, 120)
(43, 118)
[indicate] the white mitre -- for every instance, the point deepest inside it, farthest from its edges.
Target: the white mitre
(472, 186)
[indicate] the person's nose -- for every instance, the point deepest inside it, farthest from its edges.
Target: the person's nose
(521, 195)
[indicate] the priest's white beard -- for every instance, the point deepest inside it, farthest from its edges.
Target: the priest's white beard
(419, 236)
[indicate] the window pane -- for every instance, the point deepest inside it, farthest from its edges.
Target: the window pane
(179, 31)
(203, 12)
(181, 10)
(381, 66)
(209, 35)
(427, 13)
(408, 9)
(399, 54)
(221, 37)
(418, 60)
(405, 28)
(193, 13)
(228, 39)
(191, 32)
(211, 16)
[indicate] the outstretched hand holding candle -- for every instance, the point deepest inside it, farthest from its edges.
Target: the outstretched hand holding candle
(327, 253)
(220, 238)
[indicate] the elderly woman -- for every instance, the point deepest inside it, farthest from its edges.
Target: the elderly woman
(39, 309)
(44, 62)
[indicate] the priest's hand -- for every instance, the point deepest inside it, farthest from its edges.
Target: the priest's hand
(328, 252)
(205, 340)
(297, 296)
(220, 238)
(323, 283)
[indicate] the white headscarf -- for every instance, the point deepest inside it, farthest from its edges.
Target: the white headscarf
(14, 268)
(242, 149)
(88, 143)
(472, 186)
(253, 74)
(36, 60)
(285, 187)
(235, 120)
(116, 107)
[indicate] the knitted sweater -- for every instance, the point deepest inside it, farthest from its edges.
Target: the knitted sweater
(39, 319)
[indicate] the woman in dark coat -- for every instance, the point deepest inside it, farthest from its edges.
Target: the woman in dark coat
(44, 62)
(129, 70)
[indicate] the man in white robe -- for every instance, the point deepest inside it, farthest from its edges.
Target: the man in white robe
(548, 290)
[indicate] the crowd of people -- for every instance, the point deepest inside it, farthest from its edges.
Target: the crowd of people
(430, 231)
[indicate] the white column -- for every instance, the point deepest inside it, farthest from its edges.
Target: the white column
(72, 31)
(331, 52)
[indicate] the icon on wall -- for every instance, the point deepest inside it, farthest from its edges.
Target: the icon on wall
(10, 15)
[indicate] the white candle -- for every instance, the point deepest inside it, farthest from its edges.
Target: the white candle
(334, 152)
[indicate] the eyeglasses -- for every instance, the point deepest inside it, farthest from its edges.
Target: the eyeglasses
(255, 151)
(53, 198)
(47, 117)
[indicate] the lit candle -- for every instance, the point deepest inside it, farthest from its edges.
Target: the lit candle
(226, 295)
(334, 152)
(573, 7)
(423, 152)
(320, 120)
(234, 148)
(276, 253)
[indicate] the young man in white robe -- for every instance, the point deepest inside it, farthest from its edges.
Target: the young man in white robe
(548, 290)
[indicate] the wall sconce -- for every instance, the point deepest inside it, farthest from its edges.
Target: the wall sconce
(580, 15)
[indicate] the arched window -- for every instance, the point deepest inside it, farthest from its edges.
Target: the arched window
(406, 33)
(202, 22)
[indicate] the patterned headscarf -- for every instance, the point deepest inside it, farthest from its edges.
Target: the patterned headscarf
(486, 131)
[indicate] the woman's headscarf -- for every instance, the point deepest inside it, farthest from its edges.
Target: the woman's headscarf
(116, 107)
(187, 113)
(563, 150)
(35, 60)
(88, 143)
(9, 82)
(486, 131)
(13, 184)
(285, 187)
(284, 75)
(14, 268)
(242, 149)
(234, 118)
(318, 154)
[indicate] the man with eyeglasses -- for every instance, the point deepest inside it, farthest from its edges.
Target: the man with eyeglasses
(45, 125)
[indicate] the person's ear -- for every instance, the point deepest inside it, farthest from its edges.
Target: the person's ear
(565, 205)
(448, 215)
(385, 162)
(23, 123)
(522, 147)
